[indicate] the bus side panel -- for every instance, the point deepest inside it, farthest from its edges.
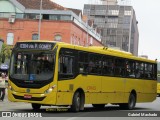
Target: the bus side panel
(65, 92)
(150, 88)
(158, 89)
(64, 98)
(113, 88)
(92, 85)
(134, 84)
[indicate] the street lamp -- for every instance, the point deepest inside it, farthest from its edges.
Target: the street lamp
(39, 24)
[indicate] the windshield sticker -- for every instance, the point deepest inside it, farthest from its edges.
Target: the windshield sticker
(32, 77)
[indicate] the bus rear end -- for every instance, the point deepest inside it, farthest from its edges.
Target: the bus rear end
(158, 85)
(31, 74)
(158, 89)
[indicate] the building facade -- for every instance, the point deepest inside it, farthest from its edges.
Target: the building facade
(118, 24)
(32, 20)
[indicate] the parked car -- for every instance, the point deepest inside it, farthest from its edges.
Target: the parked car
(4, 68)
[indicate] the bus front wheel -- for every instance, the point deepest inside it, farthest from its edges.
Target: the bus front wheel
(131, 102)
(76, 102)
(36, 106)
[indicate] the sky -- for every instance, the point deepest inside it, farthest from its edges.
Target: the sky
(148, 17)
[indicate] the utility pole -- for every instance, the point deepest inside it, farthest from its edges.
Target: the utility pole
(40, 20)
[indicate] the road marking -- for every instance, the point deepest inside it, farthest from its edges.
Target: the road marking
(80, 115)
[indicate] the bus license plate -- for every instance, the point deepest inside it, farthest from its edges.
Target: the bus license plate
(28, 96)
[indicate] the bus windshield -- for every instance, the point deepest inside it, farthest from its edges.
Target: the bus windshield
(32, 66)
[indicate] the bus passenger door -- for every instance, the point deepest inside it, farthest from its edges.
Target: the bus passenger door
(66, 74)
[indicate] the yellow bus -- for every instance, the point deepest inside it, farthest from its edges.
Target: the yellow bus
(60, 74)
(158, 85)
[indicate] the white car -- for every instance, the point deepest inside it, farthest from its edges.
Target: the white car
(4, 67)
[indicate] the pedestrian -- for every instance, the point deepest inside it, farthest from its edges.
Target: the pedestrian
(2, 86)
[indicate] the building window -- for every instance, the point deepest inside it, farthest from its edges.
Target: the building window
(30, 16)
(35, 36)
(54, 17)
(86, 11)
(100, 12)
(10, 38)
(91, 41)
(127, 12)
(112, 25)
(126, 20)
(65, 17)
(79, 41)
(113, 12)
(5, 15)
(72, 39)
(19, 15)
(126, 26)
(58, 37)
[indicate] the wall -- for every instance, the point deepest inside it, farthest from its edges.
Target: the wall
(24, 28)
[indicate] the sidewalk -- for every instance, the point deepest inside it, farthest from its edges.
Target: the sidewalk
(6, 105)
(5, 98)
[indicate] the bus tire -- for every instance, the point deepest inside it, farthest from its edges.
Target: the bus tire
(36, 106)
(99, 106)
(131, 103)
(76, 102)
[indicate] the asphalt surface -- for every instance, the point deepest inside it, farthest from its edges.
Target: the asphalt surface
(110, 111)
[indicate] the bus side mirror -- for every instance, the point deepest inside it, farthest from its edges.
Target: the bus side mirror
(85, 73)
(81, 71)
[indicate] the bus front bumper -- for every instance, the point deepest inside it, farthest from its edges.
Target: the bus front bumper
(48, 98)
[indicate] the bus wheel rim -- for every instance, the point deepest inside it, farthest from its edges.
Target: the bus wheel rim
(131, 102)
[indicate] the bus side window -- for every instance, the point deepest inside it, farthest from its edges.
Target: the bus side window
(139, 70)
(107, 65)
(119, 69)
(65, 67)
(130, 69)
(149, 70)
(83, 62)
(95, 64)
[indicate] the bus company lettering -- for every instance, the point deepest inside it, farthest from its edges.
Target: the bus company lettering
(91, 87)
(23, 45)
(28, 46)
(42, 46)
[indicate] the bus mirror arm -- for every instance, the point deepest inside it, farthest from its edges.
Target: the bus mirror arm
(84, 73)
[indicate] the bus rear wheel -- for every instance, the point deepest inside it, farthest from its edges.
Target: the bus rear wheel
(36, 106)
(99, 106)
(76, 102)
(131, 103)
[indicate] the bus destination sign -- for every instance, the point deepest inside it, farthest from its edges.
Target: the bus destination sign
(36, 46)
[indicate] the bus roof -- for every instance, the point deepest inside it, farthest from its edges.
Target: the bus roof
(98, 49)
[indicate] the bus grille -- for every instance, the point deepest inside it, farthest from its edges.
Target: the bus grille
(30, 99)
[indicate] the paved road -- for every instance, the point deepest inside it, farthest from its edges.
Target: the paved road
(109, 110)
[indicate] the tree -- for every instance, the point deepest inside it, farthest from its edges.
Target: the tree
(5, 52)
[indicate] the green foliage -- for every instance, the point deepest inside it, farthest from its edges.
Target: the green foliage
(5, 52)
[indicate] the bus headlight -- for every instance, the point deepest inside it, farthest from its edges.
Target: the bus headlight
(50, 89)
(10, 87)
